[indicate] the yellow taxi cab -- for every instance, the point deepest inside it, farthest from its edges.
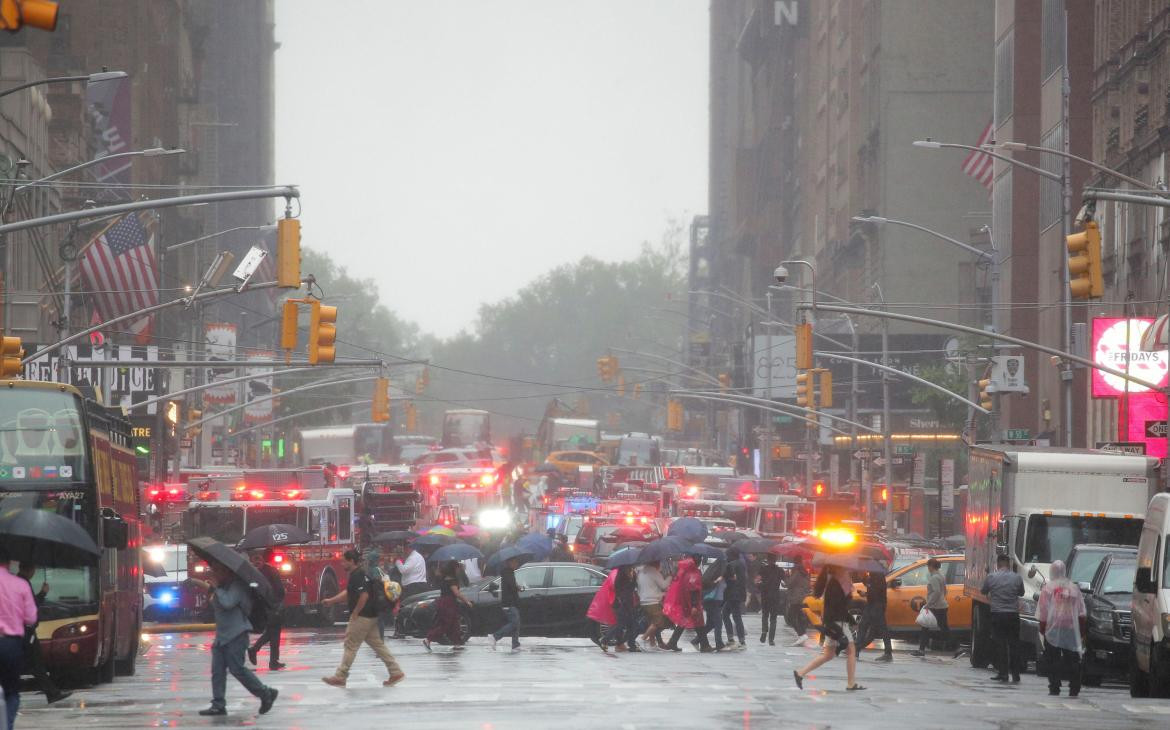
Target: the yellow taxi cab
(567, 462)
(906, 594)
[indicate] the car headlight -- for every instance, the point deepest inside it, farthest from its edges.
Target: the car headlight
(494, 519)
(1103, 615)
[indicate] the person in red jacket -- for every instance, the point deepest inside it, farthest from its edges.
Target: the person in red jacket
(684, 601)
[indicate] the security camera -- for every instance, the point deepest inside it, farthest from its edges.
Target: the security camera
(781, 274)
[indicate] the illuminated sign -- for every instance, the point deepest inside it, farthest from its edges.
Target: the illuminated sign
(140, 432)
(1117, 344)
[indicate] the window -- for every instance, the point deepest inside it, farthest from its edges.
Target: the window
(958, 572)
(530, 577)
(916, 577)
(1051, 200)
(1165, 573)
(1004, 78)
(1052, 36)
(1052, 537)
(1119, 578)
(1019, 550)
(345, 521)
(332, 526)
(571, 577)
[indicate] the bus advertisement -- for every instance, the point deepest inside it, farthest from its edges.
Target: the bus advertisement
(63, 452)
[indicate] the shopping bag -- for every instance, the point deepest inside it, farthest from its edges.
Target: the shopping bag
(926, 619)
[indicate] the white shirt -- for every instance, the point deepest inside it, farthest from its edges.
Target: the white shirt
(471, 568)
(413, 569)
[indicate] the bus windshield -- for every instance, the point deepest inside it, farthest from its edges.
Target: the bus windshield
(72, 591)
(41, 436)
(1052, 537)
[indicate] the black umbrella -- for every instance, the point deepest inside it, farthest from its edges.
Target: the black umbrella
(754, 545)
(458, 551)
(850, 561)
(623, 557)
(703, 550)
(45, 538)
(274, 536)
(395, 536)
(214, 551)
(689, 529)
(663, 549)
(503, 555)
(434, 540)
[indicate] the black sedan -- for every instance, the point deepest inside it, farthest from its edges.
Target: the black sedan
(554, 598)
(1107, 603)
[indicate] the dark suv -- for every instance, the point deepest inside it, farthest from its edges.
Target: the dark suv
(1107, 606)
(1083, 561)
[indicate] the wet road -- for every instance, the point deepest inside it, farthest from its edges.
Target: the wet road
(568, 683)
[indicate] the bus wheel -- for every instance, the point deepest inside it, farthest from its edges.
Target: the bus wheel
(327, 615)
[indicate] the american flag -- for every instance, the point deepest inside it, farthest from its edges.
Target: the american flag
(119, 269)
(979, 164)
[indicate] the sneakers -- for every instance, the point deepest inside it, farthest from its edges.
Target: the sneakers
(799, 679)
(59, 696)
(269, 700)
(394, 679)
(334, 681)
(252, 655)
(885, 658)
(213, 712)
(771, 642)
(799, 641)
(732, 644)
(918, 652)
(274, 666)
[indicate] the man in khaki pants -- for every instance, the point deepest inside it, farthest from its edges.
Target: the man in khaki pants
(362, 593)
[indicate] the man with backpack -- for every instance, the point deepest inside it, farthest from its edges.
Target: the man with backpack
(364, 596)
(262, 559)
(232, 605)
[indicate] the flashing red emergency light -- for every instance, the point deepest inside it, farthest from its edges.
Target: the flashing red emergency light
(487, 479)
(692, 491)
(434, 480)
(294, 493)
(342, 472)
(257, 494)
(747, 496)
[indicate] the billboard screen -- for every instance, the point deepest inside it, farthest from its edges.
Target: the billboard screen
(1117, 344)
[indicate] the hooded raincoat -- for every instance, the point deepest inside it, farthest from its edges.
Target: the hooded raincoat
(1060, 609)
(680, 604)
(601, 609)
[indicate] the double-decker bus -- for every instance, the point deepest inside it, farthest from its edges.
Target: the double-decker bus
(64, 452)
(311, 572)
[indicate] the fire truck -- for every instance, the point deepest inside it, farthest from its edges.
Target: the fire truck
(311, 572)
(467, 489)
(771, 515)
(385, 502)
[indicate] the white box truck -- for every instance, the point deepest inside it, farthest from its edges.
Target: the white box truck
(1034, 504)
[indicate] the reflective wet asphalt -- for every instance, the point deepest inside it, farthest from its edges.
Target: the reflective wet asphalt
(569, 683)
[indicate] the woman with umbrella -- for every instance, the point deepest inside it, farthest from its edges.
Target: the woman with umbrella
(446, 608)
(836, 586)
(624, 632)
(684, 601)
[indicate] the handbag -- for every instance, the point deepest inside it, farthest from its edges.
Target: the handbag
(926, 619)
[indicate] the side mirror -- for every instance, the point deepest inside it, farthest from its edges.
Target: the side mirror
(1084, 586)
(1001, 535)
(115, 531)
(1031, 571)
(896, 583)
(1143, 581)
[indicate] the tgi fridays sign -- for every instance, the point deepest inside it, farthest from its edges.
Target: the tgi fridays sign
(119, 386)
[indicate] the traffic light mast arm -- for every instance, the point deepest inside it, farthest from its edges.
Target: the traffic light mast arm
(282, 419)
(769, 408)
(882, 314)
(282, 394)
(906, 375)
(777, 405)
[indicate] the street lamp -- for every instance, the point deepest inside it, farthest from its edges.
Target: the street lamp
(992, 258)
(1025, 147)
(930, 144)
(148, 152)
(88, 78)
(887, 472)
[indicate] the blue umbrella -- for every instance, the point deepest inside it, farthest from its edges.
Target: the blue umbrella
(539, 545)
(663, 549)
(433, 540)
(458, 551)
(503, 555)
(703, 550)
(623, 557)
(689, 529)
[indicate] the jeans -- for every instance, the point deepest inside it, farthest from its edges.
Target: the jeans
(1005, 631)
(11, 666)
(625, 630)
(511, 626)
(770, 610)
(714, 611)
(229, 657)
(944, 631)
(271, 636)
(359, 630)
(733, 613)
(1063, 664)
(875, 619)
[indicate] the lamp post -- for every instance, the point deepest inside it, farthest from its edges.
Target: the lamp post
(88, 78)
(887, 472)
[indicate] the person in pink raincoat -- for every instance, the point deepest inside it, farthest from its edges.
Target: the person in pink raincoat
(683, 603)
(601, 608)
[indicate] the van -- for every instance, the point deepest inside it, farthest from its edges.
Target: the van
(1149, 647)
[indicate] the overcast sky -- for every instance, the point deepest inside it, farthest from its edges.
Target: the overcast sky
(454, 150)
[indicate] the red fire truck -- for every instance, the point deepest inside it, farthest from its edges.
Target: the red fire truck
(470, 489)
(311, 572)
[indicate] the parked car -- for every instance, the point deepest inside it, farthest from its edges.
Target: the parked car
(1084, 560)
(1107, 606)
(554, 598)
(1149, 648)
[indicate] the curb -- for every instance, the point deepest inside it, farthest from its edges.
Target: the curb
(175, 628)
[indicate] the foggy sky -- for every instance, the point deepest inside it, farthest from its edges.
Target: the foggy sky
(454, 150)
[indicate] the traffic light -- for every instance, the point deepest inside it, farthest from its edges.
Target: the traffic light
(420, 385)
(11, 353)
(411, 418)
(603, 368)
(826, 395)
(804, 394)
(804, 346)
(637, 390)
(724, 382)
(1085, 280)
(380, 411)
(322, 332)
(985, 393)
(611, 368)
(37, 13)
(288, 325)
(781, 451)
(819, 489)
(674, 415)
(288, 253)
(192, 416)
(885, 495)
(173, 414)
(621, 385)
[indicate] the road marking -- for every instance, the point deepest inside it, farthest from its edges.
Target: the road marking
(1147, 709)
